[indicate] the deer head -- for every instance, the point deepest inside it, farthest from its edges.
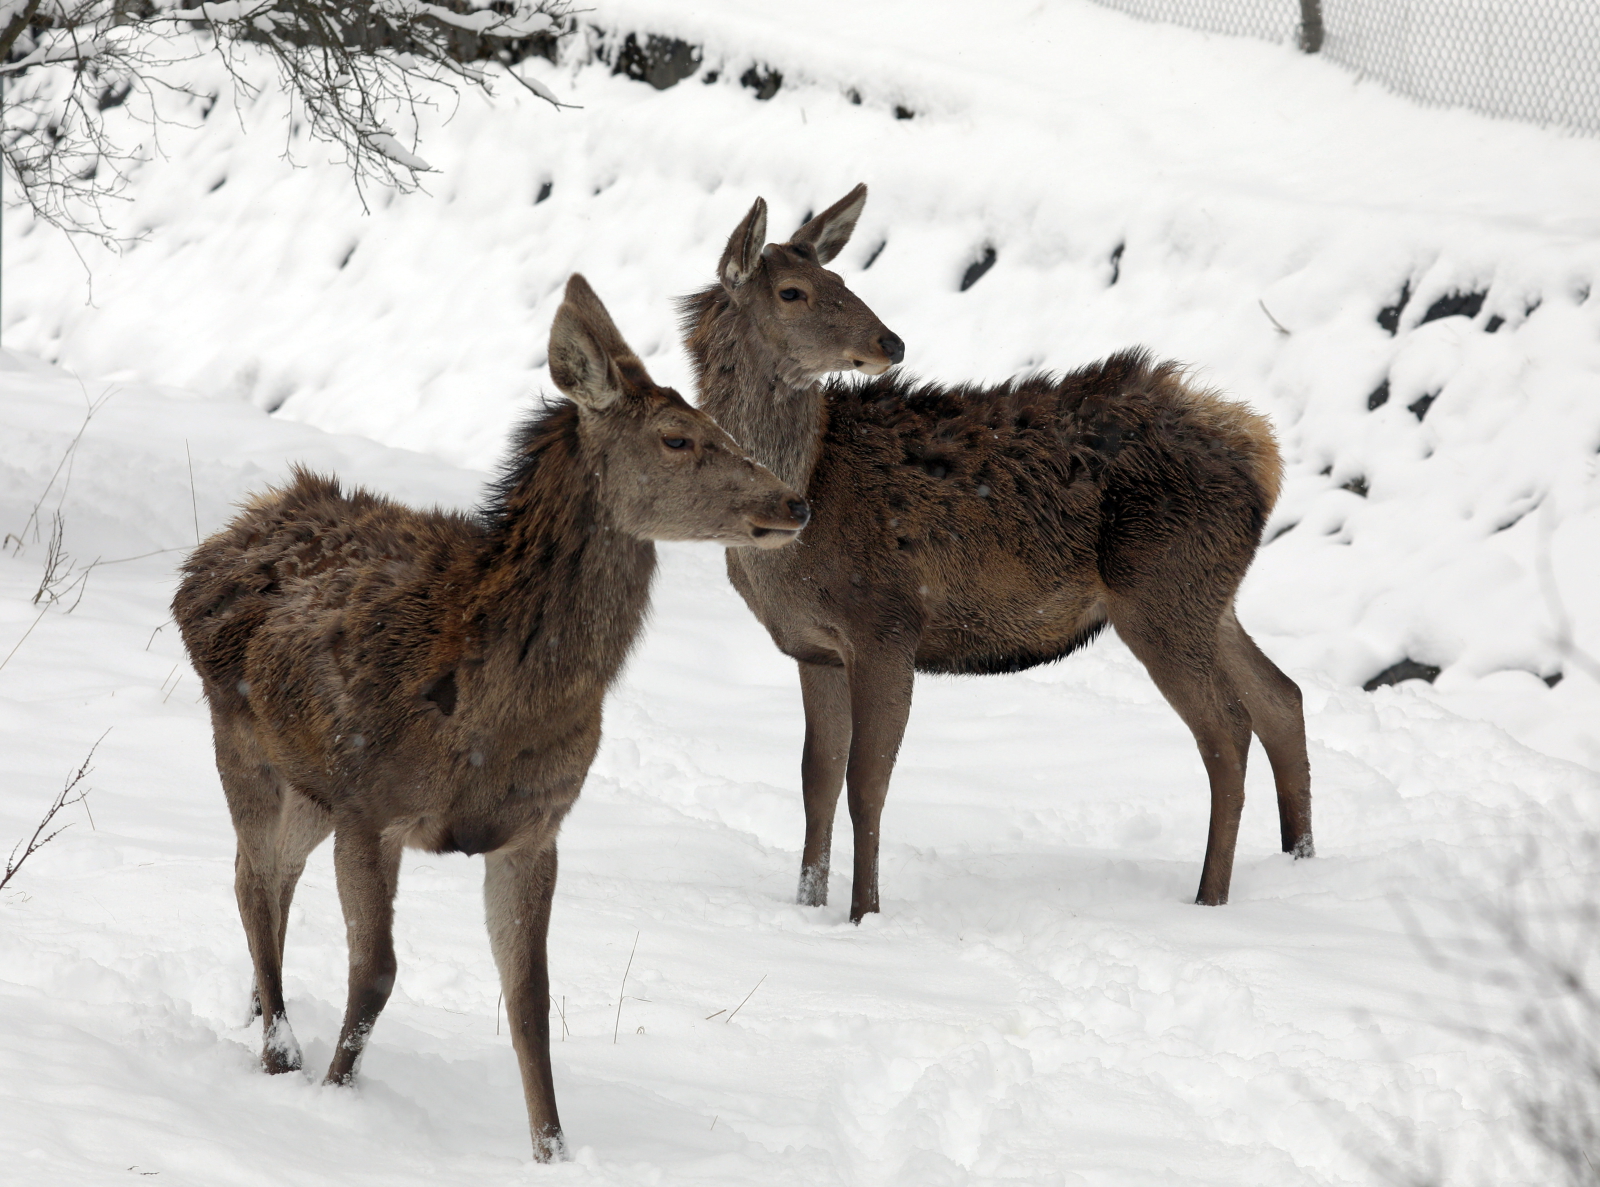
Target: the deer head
(665, 470)
(804, 312)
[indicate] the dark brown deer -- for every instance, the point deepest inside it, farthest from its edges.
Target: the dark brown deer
(434, 680)
(964, 529)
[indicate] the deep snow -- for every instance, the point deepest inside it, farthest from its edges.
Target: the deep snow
(1038, 1003)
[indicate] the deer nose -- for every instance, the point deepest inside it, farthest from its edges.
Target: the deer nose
(800, 511)
(893, 347)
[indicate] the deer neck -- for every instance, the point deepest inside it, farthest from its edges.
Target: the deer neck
(763, 401)
(562, 593)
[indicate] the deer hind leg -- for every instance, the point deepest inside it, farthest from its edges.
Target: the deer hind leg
(303, 826)
(263, 813)
(880, 702)
(517, 888)
(826, 693)
(1180, 651)
(1279, 721)
(367, 868)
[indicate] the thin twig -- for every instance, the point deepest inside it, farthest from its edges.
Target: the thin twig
(19, 642)
(617, 1026)
(194, 502)
(1276, 324)
(747, 997)
(62, 800)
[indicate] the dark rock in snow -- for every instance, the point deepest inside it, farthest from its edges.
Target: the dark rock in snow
(662, 61)
(978, 267)
(1454, 305)
(1406, 669)
(1389, 315)
(1419, 407)
(764, 81)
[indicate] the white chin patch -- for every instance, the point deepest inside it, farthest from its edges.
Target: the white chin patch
(872, 368)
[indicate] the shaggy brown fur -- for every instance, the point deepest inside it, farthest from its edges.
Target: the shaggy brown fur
(963, 529)
(425, 679)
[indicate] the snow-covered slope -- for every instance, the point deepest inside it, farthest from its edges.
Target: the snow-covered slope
(1037, 1003)
(1233, 190)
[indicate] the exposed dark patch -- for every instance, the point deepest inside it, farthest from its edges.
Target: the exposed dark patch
(218, 184)
(1494, 323)
(978, 267)
(345, 259)
(544, 192)
(1406, 669)
(1454, 305)
(1283, 531)
(711, 76)
(274, 405)
(1356, 486)
(1116, 262)
(763, 80)
(1389, 315)
(1419, 407)
(1553, 679)
(854, 96)
(904, 113)
(876, 252)
(114, 94)
(804, 219)
(1379, 396)
(1528, 309)
(442, 692)
(662, 61)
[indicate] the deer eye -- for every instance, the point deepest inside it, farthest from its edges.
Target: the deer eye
(791, 294)
(675, 442)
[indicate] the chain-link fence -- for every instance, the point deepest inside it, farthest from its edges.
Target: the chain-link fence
(1534, 60)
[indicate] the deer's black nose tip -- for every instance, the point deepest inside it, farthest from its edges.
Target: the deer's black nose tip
(893, 347)
(801, 512)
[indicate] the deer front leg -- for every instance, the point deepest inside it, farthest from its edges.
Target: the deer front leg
(826, 693)
(517, 888)
(367, 870)
(880, 702)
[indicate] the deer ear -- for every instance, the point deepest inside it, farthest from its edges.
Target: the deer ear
(743, 254)
(587, 353)
(830, 231)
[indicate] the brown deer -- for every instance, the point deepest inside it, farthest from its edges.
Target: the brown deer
(434, 680)
(964, 529)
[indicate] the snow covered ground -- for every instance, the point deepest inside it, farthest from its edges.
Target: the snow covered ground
(1038, 1003)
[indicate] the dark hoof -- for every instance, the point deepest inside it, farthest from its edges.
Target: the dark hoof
(813, 890)
(280, 1053)
(549, 1145)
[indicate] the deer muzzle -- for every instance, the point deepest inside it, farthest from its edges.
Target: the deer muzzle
(774, 530)
(889, 351)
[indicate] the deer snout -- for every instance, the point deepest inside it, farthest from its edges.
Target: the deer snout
(890, 350)
(783, 524)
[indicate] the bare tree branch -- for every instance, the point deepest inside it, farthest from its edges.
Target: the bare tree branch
(65, 798)
(351, 68)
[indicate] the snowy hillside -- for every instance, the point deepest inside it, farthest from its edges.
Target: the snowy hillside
(1406, 292)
